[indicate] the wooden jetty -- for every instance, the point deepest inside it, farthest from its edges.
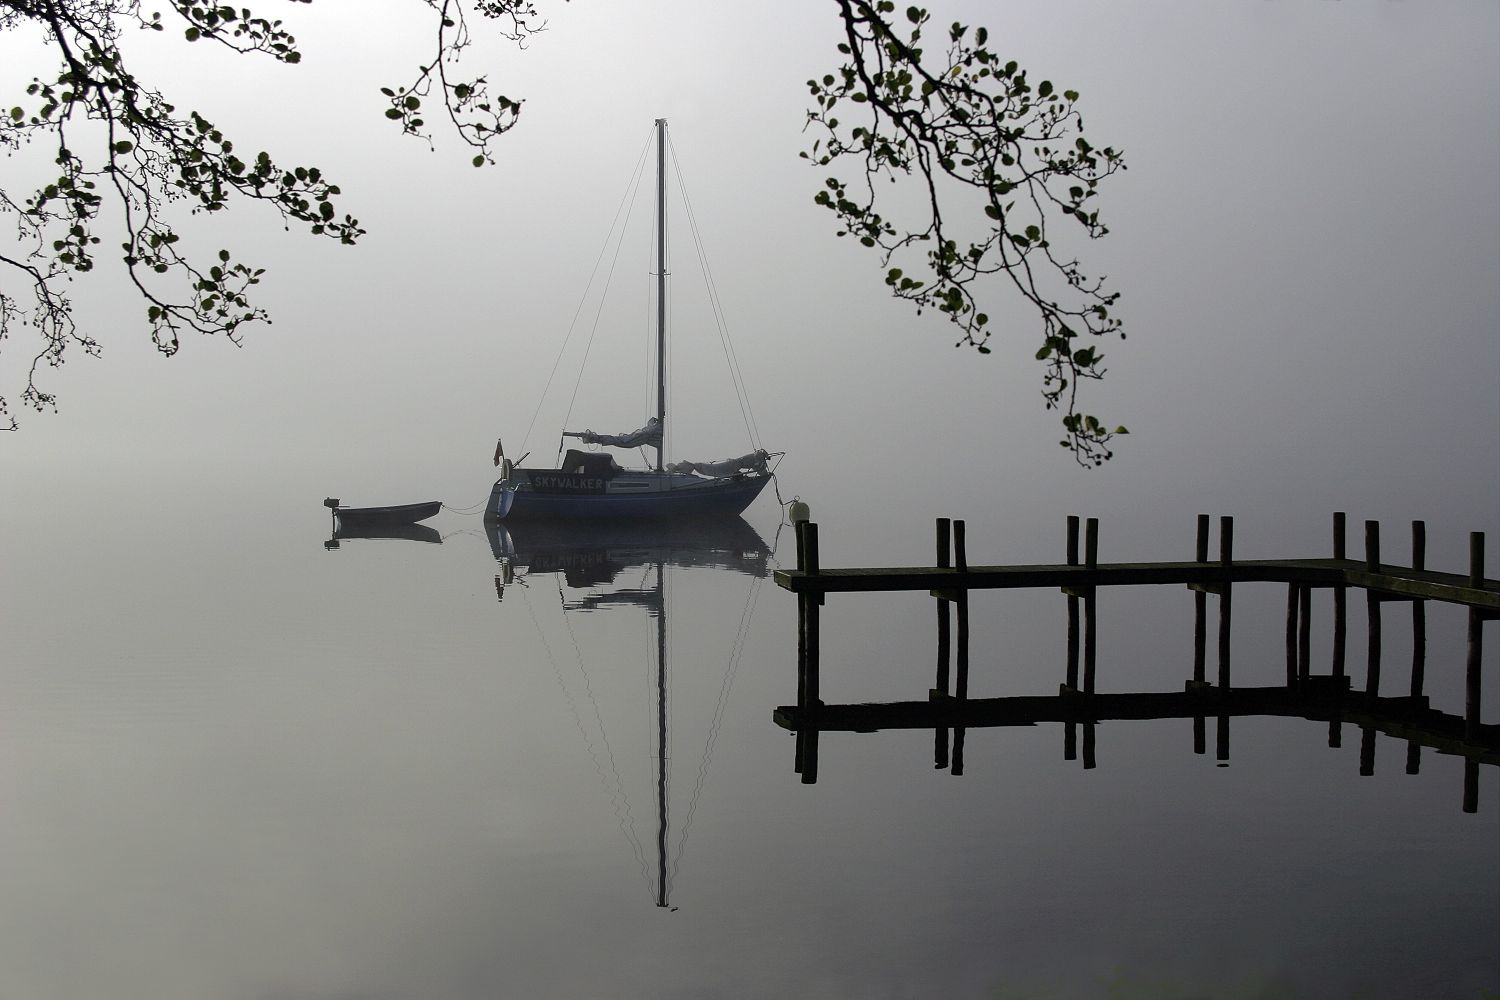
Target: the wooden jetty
(1329, 698)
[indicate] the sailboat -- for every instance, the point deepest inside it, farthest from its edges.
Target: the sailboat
(593, 485)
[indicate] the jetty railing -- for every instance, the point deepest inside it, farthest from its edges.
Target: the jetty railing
(1327, 698)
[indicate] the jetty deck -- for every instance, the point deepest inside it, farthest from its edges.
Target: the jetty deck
(1322, 697)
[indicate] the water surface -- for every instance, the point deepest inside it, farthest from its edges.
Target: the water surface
(237, 762)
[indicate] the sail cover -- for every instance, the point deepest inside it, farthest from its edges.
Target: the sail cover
(753, 462)
(648, 435)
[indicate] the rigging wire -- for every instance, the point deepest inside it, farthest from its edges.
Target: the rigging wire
(598, 312)
(632, 188)
(736, 655)
(619, 799)
(736, 375)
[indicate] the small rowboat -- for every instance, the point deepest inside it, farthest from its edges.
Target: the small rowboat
(407, 513)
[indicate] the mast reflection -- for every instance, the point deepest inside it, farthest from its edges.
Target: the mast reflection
(594, 557)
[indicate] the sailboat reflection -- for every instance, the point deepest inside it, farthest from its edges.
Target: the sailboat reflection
(594, 558)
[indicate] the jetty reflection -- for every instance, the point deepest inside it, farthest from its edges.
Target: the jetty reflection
(1328, 699)
(593, 558)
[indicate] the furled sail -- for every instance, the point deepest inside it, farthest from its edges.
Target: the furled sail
(753, 462)
(648, 435)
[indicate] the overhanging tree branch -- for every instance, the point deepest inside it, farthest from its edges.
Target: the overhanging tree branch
(117, 144)
(995, 158)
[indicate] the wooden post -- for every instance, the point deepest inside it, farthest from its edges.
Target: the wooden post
(1304, 634)
(1366, 751)
(1071, 681)
(957, 769)
(1070, 741)
(801, 653)
(1292, 606)
(806, 762)
(1418, 612)
(1221, 741)
(940, 735)
(944, 618)
(1090, 630)
(1372, 605)
(810, 756)
(961, 564)
(811, 692)
(1200, 607)
(1340, 615)
(1476, 640)
(1200, 735)
(1340, 624)
(1471, 786)
(1226, 560)
(1418, 639)
(1089, 760)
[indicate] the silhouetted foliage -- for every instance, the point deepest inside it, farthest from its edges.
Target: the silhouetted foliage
(123, 152)
(989, 151)
(963, 122)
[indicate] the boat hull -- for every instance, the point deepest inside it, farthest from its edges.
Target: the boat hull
(728, 497)
(409, 513)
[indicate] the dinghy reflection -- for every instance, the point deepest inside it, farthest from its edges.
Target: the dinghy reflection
(621, 567)
(345, 531)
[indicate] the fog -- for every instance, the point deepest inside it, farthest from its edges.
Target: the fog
(237, 764)
(1307, 240)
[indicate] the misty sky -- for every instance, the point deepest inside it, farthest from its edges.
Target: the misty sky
(1307, 241)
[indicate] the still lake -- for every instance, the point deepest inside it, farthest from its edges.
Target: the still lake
(238, 762)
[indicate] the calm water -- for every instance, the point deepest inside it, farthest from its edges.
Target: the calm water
(238, 763)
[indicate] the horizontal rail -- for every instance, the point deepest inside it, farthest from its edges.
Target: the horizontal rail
(1451, 588)
(1406, 718)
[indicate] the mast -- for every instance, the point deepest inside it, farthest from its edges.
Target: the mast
(661, 286)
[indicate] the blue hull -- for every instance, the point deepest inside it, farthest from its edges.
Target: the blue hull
(723, 497)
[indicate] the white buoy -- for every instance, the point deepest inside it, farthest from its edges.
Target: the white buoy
(798, 511)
